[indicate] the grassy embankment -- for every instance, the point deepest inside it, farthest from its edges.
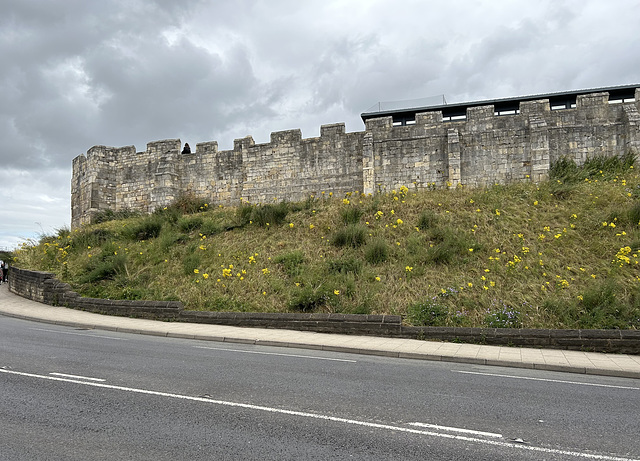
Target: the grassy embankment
(561, 254)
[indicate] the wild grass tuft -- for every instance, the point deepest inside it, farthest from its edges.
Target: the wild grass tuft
(190, 223)
(345, 266)
(188, 204)
(377, 252)
(427, 220)
(291, 262)
(308, 299)
(351, 215)
(145, 229)
(448, 246)
(110, 215)
(263, 215)
(353, 235)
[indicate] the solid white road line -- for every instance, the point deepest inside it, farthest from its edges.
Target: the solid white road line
(78, 377)
(457, 429)
(548, 380)
(274, 353)
(79, 334)
(329, 418)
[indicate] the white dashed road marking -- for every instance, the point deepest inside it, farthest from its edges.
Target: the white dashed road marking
(303, 414)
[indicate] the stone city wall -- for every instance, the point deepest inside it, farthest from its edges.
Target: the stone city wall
(483, 149)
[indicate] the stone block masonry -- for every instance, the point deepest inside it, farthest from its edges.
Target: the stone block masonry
(482, 149)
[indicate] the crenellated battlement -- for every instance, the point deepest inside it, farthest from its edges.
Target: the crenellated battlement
(478, 145)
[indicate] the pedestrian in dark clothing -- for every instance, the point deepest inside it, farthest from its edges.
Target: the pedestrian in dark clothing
(187, 149)
(5, 271)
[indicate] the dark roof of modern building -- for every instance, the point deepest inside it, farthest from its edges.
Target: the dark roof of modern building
(564, 98)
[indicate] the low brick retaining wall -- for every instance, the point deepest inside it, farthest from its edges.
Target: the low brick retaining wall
(45, 288)
(372, 325)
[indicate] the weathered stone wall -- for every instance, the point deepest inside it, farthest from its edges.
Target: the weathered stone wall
(481, 150)
(486, 148)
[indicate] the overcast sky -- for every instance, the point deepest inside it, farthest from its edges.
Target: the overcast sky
(79, 73)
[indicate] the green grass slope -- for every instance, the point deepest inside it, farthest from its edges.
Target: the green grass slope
(561, 254)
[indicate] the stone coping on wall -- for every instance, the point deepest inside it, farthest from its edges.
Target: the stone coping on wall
(45, 288)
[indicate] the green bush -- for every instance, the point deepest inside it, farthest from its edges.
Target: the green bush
(354, 235)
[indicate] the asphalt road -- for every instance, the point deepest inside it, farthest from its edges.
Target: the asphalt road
(86, 394)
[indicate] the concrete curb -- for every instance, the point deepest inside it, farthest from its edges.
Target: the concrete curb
(345, 349)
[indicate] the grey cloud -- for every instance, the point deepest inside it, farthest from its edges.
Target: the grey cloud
(119, 72)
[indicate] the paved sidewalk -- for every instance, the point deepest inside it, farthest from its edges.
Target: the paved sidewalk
(542, 359)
